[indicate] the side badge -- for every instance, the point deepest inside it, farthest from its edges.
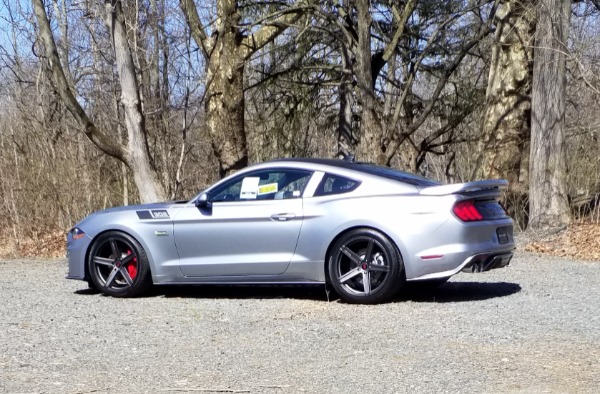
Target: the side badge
(159, 214)
(153, 214)
(161, 233)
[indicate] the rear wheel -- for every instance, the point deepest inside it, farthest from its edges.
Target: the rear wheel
(118, 265)
(365, 267)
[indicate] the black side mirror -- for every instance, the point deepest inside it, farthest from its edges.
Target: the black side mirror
(203, 202)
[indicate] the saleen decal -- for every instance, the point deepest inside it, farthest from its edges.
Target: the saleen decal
(160, 214)
(153, 214)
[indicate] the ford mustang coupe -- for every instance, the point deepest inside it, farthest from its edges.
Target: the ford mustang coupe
(364, 230)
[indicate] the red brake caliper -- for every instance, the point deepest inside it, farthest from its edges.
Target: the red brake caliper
(132, 266)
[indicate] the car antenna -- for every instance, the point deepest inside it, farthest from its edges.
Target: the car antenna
(344, 154)
(349, 157)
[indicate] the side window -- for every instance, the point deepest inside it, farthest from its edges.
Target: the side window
(263, 185)
(335, 184)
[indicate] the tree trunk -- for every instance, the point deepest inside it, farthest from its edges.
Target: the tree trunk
(506, 128)
(370, 146)
(225, 93)
(226, 53)
(346, 138)
(548, 206)
(373, 146)
(138, 157)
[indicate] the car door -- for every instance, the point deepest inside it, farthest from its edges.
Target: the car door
(250, 227)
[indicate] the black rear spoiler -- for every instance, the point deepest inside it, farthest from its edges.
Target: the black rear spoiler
(491, 187)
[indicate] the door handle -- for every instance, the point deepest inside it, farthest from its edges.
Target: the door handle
(283, 216)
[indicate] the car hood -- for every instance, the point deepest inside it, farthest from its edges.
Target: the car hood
(129, 208)
(156, 205)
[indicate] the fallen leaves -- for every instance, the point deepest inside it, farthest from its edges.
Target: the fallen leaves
(579, 241)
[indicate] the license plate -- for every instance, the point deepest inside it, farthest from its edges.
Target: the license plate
(503, 236)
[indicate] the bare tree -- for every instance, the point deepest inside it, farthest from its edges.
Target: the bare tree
(135, 153)
(226, 52)
(357, 45)
(548, 205)
(402, 65)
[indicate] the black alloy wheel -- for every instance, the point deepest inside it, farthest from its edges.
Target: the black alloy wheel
(118, 265)
(365, 267)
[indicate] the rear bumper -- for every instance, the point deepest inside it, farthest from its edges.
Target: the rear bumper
(476, 263)
(486, 262)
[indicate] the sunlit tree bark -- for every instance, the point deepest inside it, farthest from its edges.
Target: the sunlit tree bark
(505, 127)
(548, 206)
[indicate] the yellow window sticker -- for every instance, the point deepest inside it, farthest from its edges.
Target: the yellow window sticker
(267, 189)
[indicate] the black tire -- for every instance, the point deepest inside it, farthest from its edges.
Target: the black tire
(365, 256)
(118, 265)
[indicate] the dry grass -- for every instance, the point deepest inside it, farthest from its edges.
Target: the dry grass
(49, 244)
(580, 241)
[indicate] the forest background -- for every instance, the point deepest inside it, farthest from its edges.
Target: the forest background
(107, 103)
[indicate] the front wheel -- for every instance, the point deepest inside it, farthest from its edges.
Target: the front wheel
(118, 265)
(365, 267)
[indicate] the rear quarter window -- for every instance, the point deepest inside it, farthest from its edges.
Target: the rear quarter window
(335, 184)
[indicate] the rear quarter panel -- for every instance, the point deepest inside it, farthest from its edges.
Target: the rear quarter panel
(418, 225)
(404, 218)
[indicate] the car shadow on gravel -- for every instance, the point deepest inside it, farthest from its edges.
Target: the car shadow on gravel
(458, 292)
(309, 292)
(448, 292)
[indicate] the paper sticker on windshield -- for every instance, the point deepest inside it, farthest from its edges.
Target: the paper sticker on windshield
(268, 188)
(249, 188)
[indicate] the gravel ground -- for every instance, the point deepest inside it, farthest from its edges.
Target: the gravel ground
(531, 327)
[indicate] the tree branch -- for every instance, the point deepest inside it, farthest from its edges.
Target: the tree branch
(269, 32)
(102, 141)
(449, 70)
(400, 25)
(188, 7)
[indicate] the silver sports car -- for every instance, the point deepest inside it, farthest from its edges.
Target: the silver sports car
(362, 229)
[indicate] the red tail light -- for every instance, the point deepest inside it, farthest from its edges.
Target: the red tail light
(466, 211)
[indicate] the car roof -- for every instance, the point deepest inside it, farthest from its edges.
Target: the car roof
(367, 168)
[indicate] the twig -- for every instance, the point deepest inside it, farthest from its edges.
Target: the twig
(273, 386)
(95, 390)
(207, 390)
